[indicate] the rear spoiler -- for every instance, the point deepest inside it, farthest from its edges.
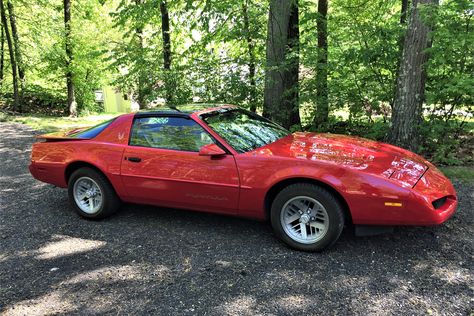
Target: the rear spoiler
(62, 136)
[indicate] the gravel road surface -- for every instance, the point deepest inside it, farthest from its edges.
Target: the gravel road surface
(147, 260)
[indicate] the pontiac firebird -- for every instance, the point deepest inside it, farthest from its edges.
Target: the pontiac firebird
(226, 160)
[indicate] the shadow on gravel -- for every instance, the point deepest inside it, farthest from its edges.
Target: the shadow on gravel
(152, 260)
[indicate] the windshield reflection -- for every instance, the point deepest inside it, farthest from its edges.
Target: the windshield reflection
(243, 130)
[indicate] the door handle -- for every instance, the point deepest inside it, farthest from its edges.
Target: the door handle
(134, 159)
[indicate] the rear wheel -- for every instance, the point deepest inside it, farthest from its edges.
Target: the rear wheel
(307, 217)
(91, 194)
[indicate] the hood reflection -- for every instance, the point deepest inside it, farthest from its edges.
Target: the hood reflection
(351, 152)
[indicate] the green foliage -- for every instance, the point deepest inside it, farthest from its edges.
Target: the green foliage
(209, 50)
(448, 143)
(451, 82)
(41, 34)
(376, 130)
(43, 101)
(465, 174)
(119, 43)
(363, 53)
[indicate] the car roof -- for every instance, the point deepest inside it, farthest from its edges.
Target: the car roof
(182, 110)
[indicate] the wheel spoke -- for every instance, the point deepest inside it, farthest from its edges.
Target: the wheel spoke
(300, 205)
(292, 218)
(303, 226)
(293, 208)
(303, 230)
(87, 195)
(294, 227)
(97, 201)
(318, 225)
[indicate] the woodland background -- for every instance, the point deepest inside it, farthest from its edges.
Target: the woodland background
(392, 70)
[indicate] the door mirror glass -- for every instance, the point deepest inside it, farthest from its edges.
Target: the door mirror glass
(211, 150)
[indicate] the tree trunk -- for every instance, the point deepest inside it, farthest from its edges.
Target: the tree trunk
(410, 88)
(292, 83)
(16, 43)
(322, 102)
(403, 21)
(141, 84)
(251, 53)
(281, 75)
(16, 98)
(2, 55)
(165, 31)
(403, 12)
(71, 99)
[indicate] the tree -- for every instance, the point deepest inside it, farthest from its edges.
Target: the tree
(2, 54)
(322, 102)
(282, 64)
(251, 55)
(165, 31)
(141, 48)
(450, 84)
(410, 87)
(71, 99)
(16, 43)
(136, 54)
(403, 11)
(16, 98)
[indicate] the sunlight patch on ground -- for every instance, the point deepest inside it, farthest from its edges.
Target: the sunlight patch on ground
(3, 257)
(111, 274)
(293, 302)
(453, 275)
(292, 278)
(48, 304)
(241, 306)
(65, 245)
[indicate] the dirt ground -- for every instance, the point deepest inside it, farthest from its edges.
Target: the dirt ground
(147, 260)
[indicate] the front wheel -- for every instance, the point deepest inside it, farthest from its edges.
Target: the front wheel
(91, 194)
(307, 217)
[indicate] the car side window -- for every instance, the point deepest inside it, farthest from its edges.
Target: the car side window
(169, 133)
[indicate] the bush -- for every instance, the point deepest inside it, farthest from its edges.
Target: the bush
(447, 142)
(38, 100)
(376, 130)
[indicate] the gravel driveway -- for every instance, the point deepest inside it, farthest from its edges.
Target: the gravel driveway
(147, 260)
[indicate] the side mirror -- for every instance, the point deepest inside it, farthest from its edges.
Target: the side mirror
(211, 150)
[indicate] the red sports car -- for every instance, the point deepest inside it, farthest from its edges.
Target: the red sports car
(231, 161)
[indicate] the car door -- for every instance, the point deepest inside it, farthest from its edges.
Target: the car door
(162, 166)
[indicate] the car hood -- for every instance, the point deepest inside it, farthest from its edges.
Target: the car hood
(351, 152)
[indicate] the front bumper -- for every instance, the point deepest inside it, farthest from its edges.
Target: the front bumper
(434, 186)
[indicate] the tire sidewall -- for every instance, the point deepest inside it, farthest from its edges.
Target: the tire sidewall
(332, 206)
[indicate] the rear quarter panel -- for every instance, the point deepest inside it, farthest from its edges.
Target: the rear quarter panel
(49, 160)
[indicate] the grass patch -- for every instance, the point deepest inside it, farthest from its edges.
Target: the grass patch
(459, 173)
(49, 124)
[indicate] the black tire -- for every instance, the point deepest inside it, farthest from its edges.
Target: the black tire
(333, 208)
(110, 201)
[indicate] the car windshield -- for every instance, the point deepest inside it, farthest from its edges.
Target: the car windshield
(243, 130)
